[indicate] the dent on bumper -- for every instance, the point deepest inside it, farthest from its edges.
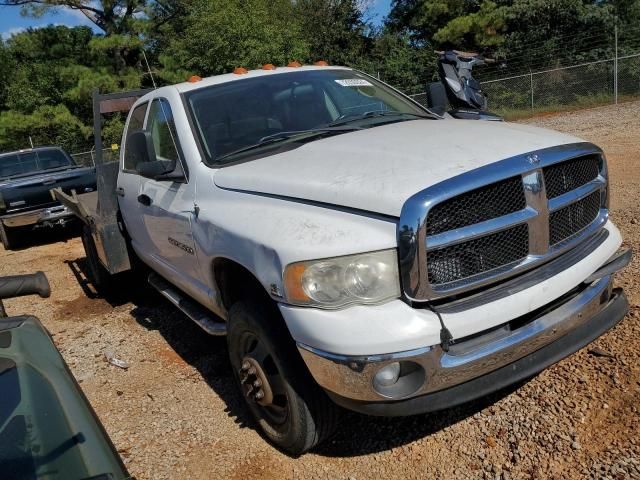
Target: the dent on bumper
(34, 217)
(350, 379)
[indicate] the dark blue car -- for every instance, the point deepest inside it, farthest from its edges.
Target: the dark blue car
(26, 180)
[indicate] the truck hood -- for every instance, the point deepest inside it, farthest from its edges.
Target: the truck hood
(28, 192)
(378, 169)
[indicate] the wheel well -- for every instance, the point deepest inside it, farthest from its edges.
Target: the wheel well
(235, 283)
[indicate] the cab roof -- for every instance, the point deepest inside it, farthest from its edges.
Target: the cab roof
(34, 149)
(231, 77)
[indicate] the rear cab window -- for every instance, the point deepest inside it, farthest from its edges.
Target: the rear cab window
(33, 161)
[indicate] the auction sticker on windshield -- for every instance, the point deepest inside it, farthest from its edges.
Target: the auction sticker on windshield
(354, 82)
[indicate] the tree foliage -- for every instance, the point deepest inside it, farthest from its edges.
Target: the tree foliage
(219, 35)
(47, 75)
(47, 125)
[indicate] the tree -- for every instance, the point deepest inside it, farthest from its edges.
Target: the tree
(47, 125)
(113, 17)
(400, 62)
(58, 68)
(220, 35)
(125, 23)
(7, 66)
(334, 30)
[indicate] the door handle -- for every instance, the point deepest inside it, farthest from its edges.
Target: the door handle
(120, 191)
(144, 200)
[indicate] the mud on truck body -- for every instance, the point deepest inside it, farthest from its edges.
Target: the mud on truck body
(355, 248)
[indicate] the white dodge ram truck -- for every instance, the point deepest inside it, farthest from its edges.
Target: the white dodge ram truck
(359, 250)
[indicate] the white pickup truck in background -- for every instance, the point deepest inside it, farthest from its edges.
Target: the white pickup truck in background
(355, 248)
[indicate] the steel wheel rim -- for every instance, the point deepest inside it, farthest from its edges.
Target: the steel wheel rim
(254, 355)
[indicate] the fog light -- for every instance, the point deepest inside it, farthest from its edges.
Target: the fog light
(399, 379)
(387, 375)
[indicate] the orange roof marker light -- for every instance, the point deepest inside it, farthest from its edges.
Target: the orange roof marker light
(240, 70)
(268, 66)
(194, 79)
(294, 64)
(321, 63)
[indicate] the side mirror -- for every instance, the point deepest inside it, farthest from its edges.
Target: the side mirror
(139, 147)
(437, 97)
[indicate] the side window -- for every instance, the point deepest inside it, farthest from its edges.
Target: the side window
(136, 122)
(163, 130)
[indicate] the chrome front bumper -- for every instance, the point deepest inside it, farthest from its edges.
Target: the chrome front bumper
(36, 217)
(430, 369)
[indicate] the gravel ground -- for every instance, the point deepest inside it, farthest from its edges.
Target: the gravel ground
(175, 413)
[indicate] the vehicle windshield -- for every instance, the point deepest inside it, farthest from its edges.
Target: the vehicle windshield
(239, 116)
(33, 161)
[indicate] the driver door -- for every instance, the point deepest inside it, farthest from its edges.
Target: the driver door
(167, 206)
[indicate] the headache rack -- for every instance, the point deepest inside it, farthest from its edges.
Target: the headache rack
(99, 209)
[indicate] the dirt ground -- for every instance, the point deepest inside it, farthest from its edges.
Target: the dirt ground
(175, 412)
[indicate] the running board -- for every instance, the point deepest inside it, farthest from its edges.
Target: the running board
(196, 312)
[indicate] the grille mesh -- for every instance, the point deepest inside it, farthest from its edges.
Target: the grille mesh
(566, 176)
(570, 220)
(479, 205)
(463, 260)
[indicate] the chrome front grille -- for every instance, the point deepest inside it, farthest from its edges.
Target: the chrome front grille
(490, 223)
(572, 219)
(477, 206)
(483, 254)
(566, 176)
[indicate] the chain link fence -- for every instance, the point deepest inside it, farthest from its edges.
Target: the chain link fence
(584, 85)
(88, 159)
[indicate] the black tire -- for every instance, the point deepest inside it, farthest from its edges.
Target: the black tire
(98, 275)
(9, 236)
(305, 416)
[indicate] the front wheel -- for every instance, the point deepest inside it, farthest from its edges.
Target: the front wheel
(291, 410)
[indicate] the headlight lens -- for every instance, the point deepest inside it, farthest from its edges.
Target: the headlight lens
(336, 282)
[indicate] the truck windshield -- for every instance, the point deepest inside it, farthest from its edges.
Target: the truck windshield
(24, 163)
(236, 117)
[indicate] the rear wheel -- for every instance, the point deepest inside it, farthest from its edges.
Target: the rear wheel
(9, 236)
(97, 274)
(291, 410)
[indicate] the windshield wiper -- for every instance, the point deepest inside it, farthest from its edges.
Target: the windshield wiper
(311, 131)
(345, 119)
(281, 136)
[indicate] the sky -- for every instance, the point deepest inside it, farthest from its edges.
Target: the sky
(12, 22)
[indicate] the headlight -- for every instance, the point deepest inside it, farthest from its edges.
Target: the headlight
(336, 282)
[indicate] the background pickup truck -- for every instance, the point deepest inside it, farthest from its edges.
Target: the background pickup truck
(26, 180)
(355, 248)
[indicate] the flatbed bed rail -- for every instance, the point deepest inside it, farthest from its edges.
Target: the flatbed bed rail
(99, 210)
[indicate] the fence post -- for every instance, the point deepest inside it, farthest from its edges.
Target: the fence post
(531, 85)
(615, 65)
